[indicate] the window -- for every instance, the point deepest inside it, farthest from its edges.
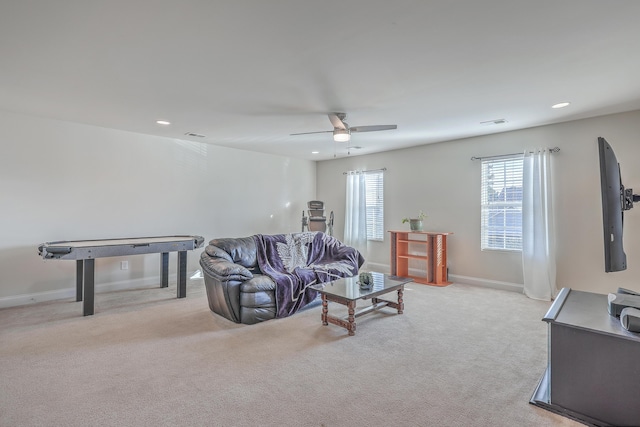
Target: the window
(501, 203)
(375, 205)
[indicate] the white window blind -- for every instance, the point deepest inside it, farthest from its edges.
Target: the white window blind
(501, 203)
(375, 205)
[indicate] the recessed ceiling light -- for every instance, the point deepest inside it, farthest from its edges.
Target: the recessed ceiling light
(163, 122)
(561, 105)
(315, 152)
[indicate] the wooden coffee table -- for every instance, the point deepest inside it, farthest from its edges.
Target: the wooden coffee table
(347, 291)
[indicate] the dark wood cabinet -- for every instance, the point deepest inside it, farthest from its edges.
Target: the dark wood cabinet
(593, 371)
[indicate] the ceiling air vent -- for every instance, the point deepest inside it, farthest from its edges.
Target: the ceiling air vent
(195, 135)
(493, 122)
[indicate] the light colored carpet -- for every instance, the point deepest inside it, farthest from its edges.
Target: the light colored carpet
(458, 356)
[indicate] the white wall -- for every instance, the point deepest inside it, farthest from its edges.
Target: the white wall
(442, 180)
(66, 181)
(63, 181)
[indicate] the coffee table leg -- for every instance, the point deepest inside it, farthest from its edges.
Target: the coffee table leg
(325, 310)
(352, 318)
(400, 301)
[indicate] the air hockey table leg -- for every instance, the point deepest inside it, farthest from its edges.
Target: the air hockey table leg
(164, 269)
(182, 274)
(79, 273)
(89, 266)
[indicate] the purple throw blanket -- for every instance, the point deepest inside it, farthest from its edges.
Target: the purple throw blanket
(297, 261)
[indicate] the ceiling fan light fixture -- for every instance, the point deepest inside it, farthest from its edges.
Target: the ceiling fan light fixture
(341, 135)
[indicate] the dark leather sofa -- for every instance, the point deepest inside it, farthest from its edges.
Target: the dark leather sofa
(236, 288)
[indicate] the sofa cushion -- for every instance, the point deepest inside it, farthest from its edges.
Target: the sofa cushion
(240, 251)
(258, 283)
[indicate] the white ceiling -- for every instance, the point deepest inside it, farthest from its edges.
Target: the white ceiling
(247, 73)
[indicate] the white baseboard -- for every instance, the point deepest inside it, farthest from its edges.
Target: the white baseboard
(24, 299)
(495, 284)
(476, 281)
(373, 266)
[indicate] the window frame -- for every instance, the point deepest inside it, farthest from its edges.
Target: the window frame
(501, 201)
(374, 183)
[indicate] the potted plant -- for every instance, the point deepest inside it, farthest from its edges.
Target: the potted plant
(415, 223)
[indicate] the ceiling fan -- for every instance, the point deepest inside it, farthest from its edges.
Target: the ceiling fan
(341, 130)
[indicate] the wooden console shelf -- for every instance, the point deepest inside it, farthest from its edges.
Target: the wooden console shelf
(435, 255)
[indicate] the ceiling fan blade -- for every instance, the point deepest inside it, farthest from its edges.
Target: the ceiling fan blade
(373, 128)
(336, 120)
(309, 133)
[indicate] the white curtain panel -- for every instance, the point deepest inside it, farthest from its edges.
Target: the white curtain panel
(355, 224)
(538, 231)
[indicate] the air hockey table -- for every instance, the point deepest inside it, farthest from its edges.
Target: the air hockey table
(84, 252)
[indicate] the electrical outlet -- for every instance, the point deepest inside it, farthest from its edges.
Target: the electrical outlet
(124, 265)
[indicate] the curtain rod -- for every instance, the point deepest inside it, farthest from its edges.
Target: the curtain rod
(552, 150)
(372, 170)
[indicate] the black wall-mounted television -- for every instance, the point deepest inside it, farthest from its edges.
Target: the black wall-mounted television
(615, 200)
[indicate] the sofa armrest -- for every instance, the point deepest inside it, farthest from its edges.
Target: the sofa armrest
(215, 252)
(223, 270)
